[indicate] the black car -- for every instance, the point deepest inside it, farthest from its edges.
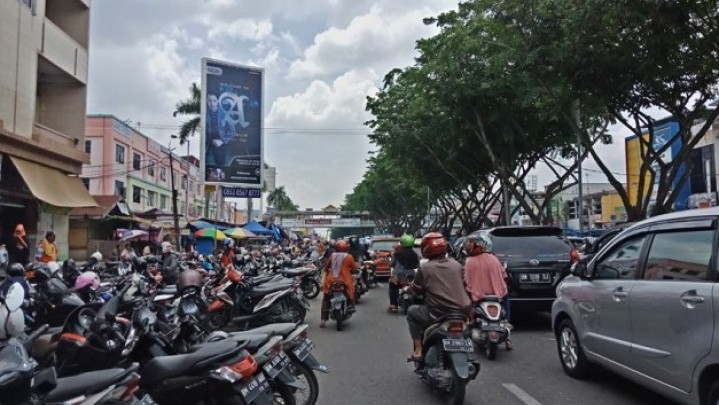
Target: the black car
(537, 258)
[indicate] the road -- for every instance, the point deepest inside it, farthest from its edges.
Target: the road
(367, 362)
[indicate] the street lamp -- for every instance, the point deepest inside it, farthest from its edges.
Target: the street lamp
(175, 218)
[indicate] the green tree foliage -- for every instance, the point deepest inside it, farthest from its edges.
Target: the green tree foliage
(189, 107)
(280, 201)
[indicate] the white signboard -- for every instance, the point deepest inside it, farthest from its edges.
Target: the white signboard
(321, 223)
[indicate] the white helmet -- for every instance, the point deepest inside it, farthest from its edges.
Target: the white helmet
(12, 317)
(97, 256)
(166, 247)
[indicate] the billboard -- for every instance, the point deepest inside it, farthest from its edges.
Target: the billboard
(231, 121)
(664, 132)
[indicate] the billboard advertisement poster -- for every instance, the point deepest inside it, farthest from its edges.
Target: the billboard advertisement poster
(231, 122)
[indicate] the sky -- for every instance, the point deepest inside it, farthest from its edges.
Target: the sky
(321, 59)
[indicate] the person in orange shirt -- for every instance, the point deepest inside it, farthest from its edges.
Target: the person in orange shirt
(47, 248)
(339, 266)
(228, 254)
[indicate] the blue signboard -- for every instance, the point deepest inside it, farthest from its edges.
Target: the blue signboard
(238, 192)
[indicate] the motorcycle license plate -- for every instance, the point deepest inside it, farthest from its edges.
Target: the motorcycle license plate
(254, 387)
(146, 400)
(276, 365)
(304, 349)
(458, 345)
(493, 327)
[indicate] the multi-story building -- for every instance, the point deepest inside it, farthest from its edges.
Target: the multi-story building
(43, 91)
(125, 162)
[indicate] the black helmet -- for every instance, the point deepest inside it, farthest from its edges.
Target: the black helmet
(69, 265)
(16, 270)
(140, 264)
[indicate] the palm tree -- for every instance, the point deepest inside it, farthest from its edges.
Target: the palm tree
(279, 199)
(191, 107)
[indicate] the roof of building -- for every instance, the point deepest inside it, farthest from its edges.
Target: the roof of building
(105, 205)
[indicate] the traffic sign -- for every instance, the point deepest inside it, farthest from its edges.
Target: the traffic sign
(239, 192)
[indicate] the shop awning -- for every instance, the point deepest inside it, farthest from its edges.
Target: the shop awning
(53, 186)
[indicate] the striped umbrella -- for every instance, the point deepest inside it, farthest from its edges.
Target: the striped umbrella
(239, 233)
(210, 233)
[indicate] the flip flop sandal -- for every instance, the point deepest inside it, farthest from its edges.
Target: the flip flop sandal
(413, 358)
(392, 309)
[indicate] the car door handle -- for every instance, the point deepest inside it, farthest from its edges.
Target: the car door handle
(693, 299)
(619, 295)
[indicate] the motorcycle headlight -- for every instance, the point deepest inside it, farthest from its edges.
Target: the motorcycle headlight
(189, 307)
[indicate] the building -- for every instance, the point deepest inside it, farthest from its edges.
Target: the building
(43, 92)
(592, 194)
(125, 162)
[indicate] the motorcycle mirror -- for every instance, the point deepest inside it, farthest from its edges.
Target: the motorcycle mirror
(14, 297)
(44, 381)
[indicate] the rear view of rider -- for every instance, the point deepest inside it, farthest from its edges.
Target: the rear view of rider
(404, 261)
(339, 266)
(440, 281)
(483, 272)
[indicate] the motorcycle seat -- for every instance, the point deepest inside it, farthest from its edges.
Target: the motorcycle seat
(164, 367)
(294, 272)
(268, 288)
(253, 340)
(283, 329)
(87, 383)
(168, 289)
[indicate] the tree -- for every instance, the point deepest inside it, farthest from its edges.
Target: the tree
(279, 199)
(618, 60)
(191, 107)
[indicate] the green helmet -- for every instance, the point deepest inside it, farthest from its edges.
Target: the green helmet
(406, 240)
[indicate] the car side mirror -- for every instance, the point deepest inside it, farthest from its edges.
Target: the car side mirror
(581, 270)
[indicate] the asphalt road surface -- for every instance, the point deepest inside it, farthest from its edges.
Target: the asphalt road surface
(367, 363)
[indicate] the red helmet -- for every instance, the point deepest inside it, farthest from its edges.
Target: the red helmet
(342, 246)
(433, 244)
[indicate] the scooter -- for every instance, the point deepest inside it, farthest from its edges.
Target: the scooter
(339, 311)
(445, 364)
(490, 327)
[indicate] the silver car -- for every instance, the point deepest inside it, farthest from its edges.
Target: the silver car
(646, 307)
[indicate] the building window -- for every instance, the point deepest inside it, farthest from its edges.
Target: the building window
(119, 154)
(151, 198)
(88, 146)
(86, 182)
(163, 174)
(136, 194)
(136, 158)
(184, 182)
(163, 202)
(198, 189)
(120, 188)
(192, 185)
(151, 169)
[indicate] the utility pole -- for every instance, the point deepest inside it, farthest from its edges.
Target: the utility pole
(580, 208)
(175, 218)
(507, 205)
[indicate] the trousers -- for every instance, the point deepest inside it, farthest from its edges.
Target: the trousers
(418, 319)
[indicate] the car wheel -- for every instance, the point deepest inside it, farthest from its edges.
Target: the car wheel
(574, 363)
(713, 397)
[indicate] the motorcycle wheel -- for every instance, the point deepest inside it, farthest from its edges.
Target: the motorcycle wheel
(491, 350)
(311, 289)
(282, 394)
(339, 318)
(458, 389)
(218, 319)
(294, 309)
(306, 375)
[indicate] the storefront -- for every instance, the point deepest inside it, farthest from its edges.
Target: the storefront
(39, 197)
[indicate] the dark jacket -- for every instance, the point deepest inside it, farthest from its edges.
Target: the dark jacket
(17, 253)
(170, 269)
(407, 258)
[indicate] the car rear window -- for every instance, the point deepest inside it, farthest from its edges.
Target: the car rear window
(530, 246)
(384, 245)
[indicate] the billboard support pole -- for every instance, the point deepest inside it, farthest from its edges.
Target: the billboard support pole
(175, 218)
(249, 209)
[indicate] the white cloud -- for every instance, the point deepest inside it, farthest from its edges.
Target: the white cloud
(369, 39)
(241, 29)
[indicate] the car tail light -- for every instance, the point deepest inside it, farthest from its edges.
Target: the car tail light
(574, 255)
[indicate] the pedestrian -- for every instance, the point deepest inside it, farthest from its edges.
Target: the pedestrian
(47, 249)
(18, 246)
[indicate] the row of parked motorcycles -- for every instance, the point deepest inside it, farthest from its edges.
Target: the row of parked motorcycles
(124, 338)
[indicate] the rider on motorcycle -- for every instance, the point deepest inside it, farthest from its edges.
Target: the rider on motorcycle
(404, 261)
(440, 281)
(484, 274)
(340, 266)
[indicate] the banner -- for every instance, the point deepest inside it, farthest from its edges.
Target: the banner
(321, 222)
(231, 122)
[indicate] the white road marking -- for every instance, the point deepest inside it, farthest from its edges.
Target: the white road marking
(521, 394)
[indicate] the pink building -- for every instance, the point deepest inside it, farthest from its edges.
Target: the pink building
(125, 162)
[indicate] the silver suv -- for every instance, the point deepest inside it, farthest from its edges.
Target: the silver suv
(644, 307)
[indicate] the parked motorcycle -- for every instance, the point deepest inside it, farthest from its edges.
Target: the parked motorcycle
(489, 329)
(339, 311)
(445, 364)
(52, 300)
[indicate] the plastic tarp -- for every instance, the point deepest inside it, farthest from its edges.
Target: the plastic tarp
(256, 228)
